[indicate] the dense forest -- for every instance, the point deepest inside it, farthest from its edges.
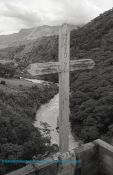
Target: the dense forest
(8, 70)
(19, 139)
(91, 99)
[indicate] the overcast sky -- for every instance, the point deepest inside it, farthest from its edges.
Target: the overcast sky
(17, 14)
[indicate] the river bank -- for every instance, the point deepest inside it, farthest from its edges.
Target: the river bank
(48, 113)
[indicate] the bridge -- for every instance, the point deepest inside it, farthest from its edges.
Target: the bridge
(96, 158)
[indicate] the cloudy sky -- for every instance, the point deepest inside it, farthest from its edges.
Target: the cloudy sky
(17, 14)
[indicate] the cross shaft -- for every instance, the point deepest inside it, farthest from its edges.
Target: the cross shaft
(63, 67)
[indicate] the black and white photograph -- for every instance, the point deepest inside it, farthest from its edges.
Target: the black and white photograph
(56, 87)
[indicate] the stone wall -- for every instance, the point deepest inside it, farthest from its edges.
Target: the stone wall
(87, 154)
(88, 157)
(105, 157)
(96, 158)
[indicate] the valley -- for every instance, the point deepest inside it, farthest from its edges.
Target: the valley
(91, 92)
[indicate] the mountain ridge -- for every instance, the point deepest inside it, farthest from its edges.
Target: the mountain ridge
(25, 36)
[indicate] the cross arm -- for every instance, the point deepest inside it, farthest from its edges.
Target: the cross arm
(43, 68)
(56, 67)
(81, 64)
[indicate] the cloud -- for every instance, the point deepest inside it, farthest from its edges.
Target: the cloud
(15, 14)
(23, 15)
(78, 11)
(102, 4)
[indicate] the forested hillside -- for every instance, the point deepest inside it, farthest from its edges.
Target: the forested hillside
(92, 91)
(19, 139)
(44, 49)
(91, 98)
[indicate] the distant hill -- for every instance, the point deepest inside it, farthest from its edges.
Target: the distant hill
(41, 50)
(27, 35)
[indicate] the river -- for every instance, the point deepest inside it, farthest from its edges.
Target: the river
(49, 113)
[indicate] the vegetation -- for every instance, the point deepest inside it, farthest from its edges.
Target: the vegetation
(43, 49)
(7, 70)
(91, 100)
(92, 91)
(19, 139)
(3, 82)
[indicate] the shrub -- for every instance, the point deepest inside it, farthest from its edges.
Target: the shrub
(3, 82)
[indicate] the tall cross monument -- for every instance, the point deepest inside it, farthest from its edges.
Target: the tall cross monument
(63, 67)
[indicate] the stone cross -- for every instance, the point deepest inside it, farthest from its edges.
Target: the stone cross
(63, 67)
